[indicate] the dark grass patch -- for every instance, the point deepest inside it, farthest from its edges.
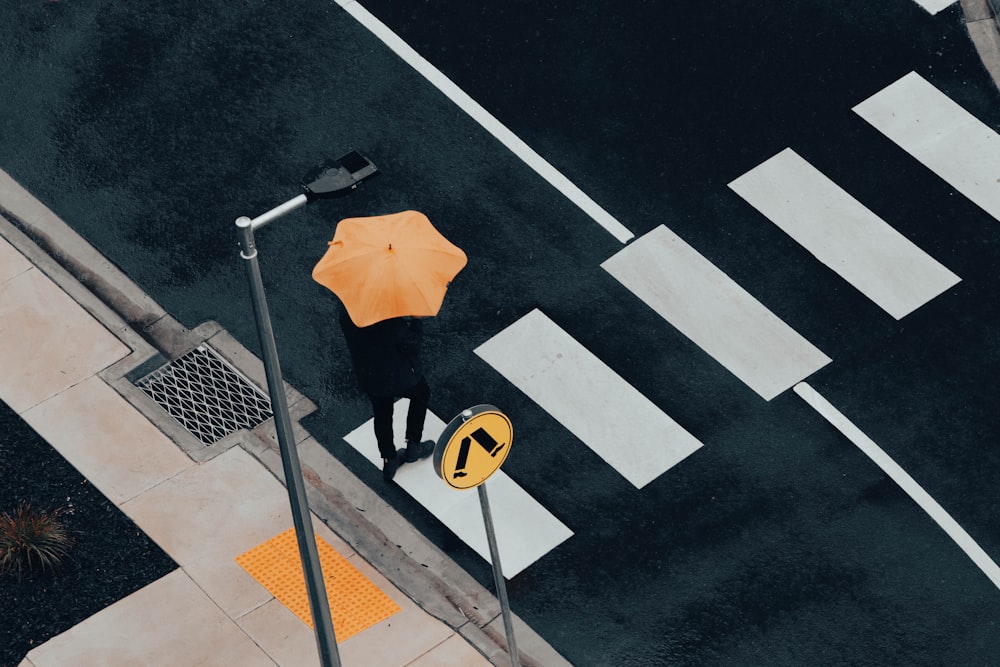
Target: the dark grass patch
(109, 558)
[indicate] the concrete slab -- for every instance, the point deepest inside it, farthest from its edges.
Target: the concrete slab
(281, 634)
(49, 342)
(222, 507)
(114, 446)
(399, 639)
(228, 584)
(207, 515)
(986, 37)
(12, 263)
(453, 652)
(170, 622)
(396, 641)
(976, 10)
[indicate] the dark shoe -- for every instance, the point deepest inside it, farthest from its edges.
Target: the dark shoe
(390, 466)
(418, 450)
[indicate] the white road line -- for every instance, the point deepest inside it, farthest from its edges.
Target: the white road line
(935, 6)
(942, 135)
(487, 120)
(905, 482)
(599, 407)
(525, 530)
(716, 313)
(842, 233)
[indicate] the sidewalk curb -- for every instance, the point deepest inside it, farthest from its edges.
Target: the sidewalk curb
(349, 507)
(984, 31)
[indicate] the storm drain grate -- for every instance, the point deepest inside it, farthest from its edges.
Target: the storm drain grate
(206, 395)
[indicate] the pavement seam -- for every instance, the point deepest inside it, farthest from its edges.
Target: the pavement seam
(236, 619)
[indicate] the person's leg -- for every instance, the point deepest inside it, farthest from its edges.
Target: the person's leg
(382, 407)
(419, 396)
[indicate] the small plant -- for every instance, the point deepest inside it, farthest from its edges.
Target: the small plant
(31, 538)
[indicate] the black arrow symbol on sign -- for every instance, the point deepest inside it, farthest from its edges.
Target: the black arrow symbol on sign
(484, 440)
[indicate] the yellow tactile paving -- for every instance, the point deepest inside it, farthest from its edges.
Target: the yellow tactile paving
(355, 602)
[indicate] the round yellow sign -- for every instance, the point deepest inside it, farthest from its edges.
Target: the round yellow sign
(473, 446)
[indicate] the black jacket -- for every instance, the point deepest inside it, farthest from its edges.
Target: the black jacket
(385, 355)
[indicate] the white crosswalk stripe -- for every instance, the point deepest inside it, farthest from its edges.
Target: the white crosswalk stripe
(842, 233)
(935, 6)
(525, 530)
(941, 134)
(596, 404)
(716, 313)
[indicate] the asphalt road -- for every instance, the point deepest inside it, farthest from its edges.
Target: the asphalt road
(151, 129)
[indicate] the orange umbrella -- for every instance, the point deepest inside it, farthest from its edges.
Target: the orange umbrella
(389, 266)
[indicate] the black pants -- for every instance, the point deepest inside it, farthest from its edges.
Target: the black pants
(382, 405)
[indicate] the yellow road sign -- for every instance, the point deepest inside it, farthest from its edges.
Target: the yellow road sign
(473, 446)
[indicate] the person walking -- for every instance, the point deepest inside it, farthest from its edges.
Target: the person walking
(386, 357)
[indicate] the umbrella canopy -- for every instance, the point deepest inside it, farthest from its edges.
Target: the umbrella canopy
(389, 266)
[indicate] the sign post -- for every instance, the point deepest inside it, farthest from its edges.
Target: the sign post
(472, 447)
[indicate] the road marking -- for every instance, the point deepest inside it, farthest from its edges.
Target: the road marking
(592, 401)
(900, 477)
(935, 6)
(716, 313)
(514, 143)
(525, 530)
(842, 233)
(941, 134)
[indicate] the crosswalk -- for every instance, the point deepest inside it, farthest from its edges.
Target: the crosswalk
(935, 6)
(718, 315)
(627, 430)
(604, 411)
(938, 132)
(843, 234)
(525, 530)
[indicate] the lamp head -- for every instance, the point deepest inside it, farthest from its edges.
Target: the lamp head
(335, 178)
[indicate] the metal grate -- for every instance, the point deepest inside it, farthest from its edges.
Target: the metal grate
(206, 395)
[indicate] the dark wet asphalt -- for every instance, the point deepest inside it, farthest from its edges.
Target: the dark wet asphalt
(151, 129)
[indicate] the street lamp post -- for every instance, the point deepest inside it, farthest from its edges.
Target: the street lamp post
(332, 179)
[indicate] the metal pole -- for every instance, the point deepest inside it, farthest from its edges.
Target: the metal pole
(278, 211)
(326, 642)
(491, 537)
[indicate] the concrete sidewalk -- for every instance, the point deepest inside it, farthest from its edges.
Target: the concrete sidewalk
(984, 31)
(67, 359)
